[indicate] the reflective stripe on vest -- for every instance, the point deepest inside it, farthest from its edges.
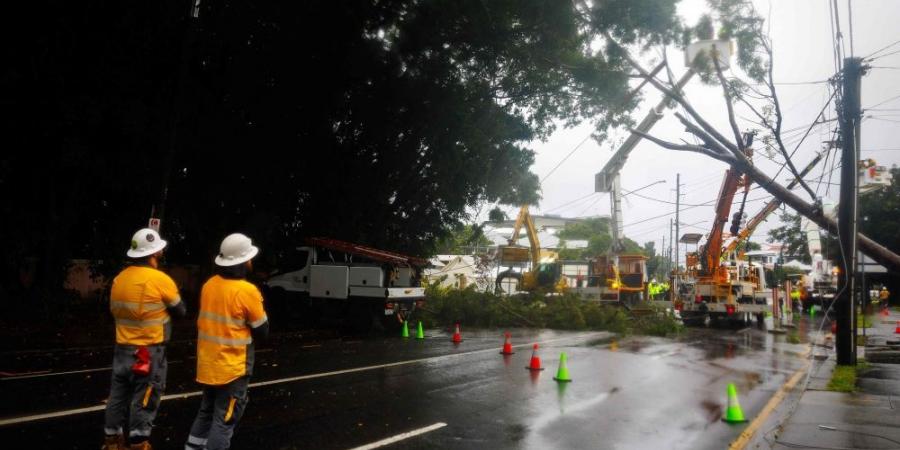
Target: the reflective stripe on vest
(224, 341)
(220, 318)
(135, 306)
(259, 322)
(141, 323)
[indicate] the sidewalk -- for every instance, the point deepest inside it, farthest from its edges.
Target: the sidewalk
(866, 419)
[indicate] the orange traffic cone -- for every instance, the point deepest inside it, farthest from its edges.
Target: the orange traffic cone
(507, 346)
(884, 312)
(457, 338)
(535, 359)
(897, 330)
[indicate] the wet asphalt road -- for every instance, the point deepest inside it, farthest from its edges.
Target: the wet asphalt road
(630, 393)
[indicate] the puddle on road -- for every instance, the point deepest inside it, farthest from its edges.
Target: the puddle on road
(712, 410)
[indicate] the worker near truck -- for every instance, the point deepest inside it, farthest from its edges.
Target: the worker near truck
(231, 317)
(795, 297)
(884, 296)
(141, 300)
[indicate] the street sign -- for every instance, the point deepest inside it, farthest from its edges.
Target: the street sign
(154, 224)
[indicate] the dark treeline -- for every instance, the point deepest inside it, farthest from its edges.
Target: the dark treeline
(372, 121)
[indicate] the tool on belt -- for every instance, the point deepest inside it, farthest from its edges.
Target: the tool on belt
(141, 366)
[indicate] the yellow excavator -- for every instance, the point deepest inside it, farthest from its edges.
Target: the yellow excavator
(545, 271)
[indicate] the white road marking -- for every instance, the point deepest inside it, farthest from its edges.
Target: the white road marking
(72, 412)
(51, 374)
(401, 436)
(47, 373)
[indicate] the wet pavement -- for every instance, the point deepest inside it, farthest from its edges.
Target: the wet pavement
(636, 392)
(868, 418)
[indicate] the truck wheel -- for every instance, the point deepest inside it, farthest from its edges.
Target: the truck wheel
(357, 318)
(696, 320)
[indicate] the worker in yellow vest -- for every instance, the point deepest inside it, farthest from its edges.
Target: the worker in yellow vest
(231, 316)
(884, 296)
(141, 299)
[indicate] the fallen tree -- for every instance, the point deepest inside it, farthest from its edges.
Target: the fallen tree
(736, 149)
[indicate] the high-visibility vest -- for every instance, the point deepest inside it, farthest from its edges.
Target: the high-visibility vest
(795, 295)
(138, 301)
(228, 310)
(884, 294)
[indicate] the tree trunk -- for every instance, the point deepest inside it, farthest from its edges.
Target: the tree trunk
(869, 247)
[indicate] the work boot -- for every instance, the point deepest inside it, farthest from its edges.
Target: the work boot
(142, 446)
(116, 442)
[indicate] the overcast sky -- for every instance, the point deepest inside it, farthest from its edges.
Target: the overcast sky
(802, 37)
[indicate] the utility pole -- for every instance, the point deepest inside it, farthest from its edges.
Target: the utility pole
(169, 143)
(849, 116)
(669, 255)
(677, 231)
(662, 251)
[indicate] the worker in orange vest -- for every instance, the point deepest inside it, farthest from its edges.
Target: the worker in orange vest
(231, 316)
(141, 299)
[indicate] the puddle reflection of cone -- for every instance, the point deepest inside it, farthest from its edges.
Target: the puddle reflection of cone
(535, 364)
(733, 414)
(884, 312)
(404, 332)
(457, 338)
(562, 374)
(420, 333)
(507, 346)
(834, 327)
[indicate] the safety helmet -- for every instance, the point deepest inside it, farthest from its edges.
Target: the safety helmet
(235, 249)
(145, 243)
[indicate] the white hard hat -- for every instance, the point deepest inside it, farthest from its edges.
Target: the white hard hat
(235, 249)
(145, 243)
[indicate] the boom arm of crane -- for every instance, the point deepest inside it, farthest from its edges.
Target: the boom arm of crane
(712, 251)
(607, 180)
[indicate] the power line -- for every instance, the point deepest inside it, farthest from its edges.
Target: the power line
(879, 104)
(566, 157)
(569, 203)
(882, 49)
(797, 83)
(589, 207)
(884, 55)
(883, 120)
(828, 102)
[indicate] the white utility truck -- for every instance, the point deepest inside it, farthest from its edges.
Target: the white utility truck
(359, 286)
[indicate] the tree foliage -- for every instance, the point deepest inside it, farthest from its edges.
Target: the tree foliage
(791, 237)
(879, 213)
(374, 121)
(595, 231)
(463, 239)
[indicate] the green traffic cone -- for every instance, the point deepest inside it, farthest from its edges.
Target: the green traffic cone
(420, 334)
(562, 374)
(733, 414)
(404, 332)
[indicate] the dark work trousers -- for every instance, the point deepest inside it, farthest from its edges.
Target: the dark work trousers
(135, 398)
(220, 410)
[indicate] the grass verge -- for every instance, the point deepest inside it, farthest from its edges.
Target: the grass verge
(843, 379)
